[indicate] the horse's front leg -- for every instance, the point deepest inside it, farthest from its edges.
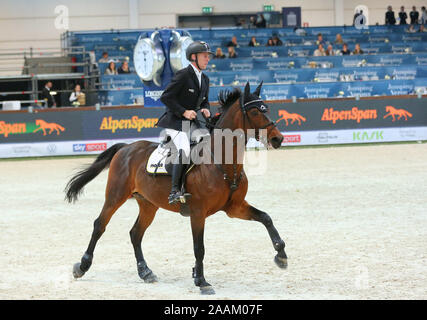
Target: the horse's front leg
(247, 212)
(197, 228)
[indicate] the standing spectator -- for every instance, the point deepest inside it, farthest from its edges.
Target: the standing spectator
(345, 51)
(232, 52)
(357, 49)
(402, 16)
(124, 68)
(390, 19)
(423, 15)
(46, 95)
(330, 51)
(233, 42)
(253, 42)
(320, 51)
(277, 41)
(219, 54)
(414, 15)
(252, 22)
(77, 97)
(111, 69)
(260, 21)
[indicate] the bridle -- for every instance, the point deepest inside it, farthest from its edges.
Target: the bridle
(244, 107)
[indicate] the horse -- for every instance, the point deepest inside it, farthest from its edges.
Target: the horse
(214, 187)
(284, 115)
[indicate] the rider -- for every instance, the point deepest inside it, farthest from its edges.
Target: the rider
(187, 92)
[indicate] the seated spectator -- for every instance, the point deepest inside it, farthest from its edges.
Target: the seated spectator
(345, 51)
(219, 54)
(253, 42)
(252, 22)
(411, 29)
(232, 52)
(330, 51)
(357, 49)
(277, 41)
(46, 95)
(390, 19)
(269, 43)
(414, 15)
(124, 68)
(422, 29)
(233, 42)
(77, 97)
(320, 40)
(338, 39)
(402, 16)
(104, 57)
(320, 51)
(111, 69)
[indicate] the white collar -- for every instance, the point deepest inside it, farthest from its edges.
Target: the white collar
(198, 73)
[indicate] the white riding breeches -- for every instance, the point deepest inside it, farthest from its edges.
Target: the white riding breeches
(181, 139)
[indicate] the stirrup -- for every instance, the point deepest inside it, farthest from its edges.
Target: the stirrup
(174, 196)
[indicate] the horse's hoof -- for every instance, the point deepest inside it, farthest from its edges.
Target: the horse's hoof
(282, 263)
(147, 275)
(207, 290)
(77, 272)
(150, 278)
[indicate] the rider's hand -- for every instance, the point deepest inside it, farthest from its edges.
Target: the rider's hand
(190, 114)
(206, 113)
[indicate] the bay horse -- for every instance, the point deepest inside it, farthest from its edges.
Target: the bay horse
(214, 187)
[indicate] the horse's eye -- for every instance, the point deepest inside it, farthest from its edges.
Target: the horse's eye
(254, 112)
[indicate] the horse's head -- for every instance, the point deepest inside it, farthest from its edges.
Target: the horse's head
(255, 113)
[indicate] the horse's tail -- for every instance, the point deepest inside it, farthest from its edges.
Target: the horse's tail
(75, 186)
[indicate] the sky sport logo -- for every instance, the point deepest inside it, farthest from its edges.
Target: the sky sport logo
(89, 147)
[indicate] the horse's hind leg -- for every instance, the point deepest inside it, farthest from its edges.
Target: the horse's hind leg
(117, 193)
(147, 212)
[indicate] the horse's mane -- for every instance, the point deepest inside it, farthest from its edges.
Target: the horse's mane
(226, 98)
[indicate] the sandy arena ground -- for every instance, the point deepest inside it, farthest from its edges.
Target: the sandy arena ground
(354, 220)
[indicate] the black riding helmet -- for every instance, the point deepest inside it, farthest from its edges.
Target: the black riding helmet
(197, 47)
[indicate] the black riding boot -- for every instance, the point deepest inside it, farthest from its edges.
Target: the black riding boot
(177, 172)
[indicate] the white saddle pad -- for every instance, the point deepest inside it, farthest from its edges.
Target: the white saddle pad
(157, 160)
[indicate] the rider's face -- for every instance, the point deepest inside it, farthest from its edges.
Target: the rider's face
(203, 59)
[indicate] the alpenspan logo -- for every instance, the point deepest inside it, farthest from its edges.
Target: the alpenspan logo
(285, 115)
(15, 128)
(393, 112)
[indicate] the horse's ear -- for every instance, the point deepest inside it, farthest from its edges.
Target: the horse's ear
(258, 89)
(247, 90)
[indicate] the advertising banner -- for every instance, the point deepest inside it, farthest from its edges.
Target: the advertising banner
(335, 121)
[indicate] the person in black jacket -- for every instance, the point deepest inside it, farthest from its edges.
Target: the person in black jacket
(402, 15)
(414, 15)
(390, 19)
(47, 96)
(187, 92)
